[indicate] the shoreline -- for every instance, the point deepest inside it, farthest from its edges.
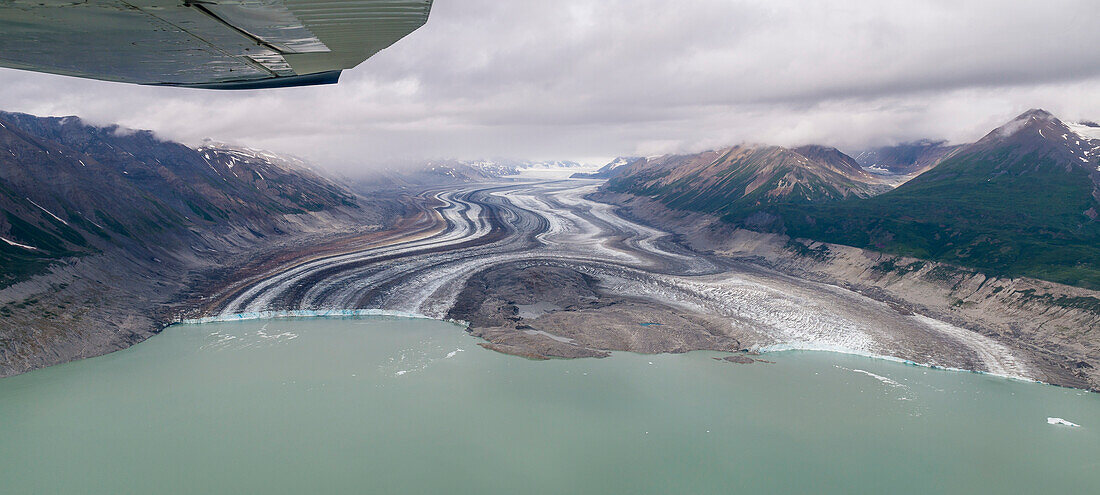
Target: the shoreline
(770, 349)
(109, 309)
(777, 348)
(311, 313)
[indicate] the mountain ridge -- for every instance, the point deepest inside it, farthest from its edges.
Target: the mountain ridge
(107, 234)
(1021, 201)
(743, 177)
(70, 189)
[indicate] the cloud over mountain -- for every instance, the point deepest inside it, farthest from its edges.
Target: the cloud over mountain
(579, 79)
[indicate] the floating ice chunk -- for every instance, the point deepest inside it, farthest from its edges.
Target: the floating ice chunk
(1061, 422)
(401, 372)
(880, 378)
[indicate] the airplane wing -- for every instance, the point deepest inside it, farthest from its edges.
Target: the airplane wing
(216, 44)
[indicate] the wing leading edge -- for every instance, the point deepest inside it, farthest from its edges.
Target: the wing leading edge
(215, 44)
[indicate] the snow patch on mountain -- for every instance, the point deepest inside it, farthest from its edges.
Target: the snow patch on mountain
(1085, 130)
(16, 244)
(619, 162)
(48, 212)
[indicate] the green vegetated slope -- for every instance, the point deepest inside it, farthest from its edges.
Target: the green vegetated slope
(1022, 201)
(744, 177)
(1018, 203)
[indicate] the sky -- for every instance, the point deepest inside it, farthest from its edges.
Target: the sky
(589, 80)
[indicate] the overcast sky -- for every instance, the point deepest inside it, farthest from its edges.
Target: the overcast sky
(589, 80)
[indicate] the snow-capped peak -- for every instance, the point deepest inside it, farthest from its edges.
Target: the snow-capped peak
(1034, 115)
(498, 165)
(620, 161)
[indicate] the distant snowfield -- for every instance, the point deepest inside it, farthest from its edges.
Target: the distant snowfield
(1085, 131)
(553, 173)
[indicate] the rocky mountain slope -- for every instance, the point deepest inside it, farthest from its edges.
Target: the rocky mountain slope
(68, 189)
(1022, 201)
(741, 178)
(102, 228)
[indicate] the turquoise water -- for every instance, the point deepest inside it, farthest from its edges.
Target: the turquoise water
(375, 405)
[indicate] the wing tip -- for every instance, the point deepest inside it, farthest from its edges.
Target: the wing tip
(317, 78)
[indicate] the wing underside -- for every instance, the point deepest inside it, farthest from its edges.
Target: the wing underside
(225, 44)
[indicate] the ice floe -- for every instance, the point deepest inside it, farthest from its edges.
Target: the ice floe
(1061, 422)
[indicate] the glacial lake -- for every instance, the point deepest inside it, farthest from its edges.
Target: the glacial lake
(392, 405)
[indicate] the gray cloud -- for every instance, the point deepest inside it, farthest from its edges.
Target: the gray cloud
(587, 80)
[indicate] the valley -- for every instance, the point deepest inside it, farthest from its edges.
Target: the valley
(649, 255)
(540, 270)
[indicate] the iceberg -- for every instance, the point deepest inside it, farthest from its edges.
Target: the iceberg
(1061, 422)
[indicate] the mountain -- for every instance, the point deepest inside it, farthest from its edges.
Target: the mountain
(106, 233)
(1023, 200)
(835, 160)
(741, 178)
(499, 167)
(432, 173)
(612, 169)
(549, 164)
(68, 189)
(906, 158)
